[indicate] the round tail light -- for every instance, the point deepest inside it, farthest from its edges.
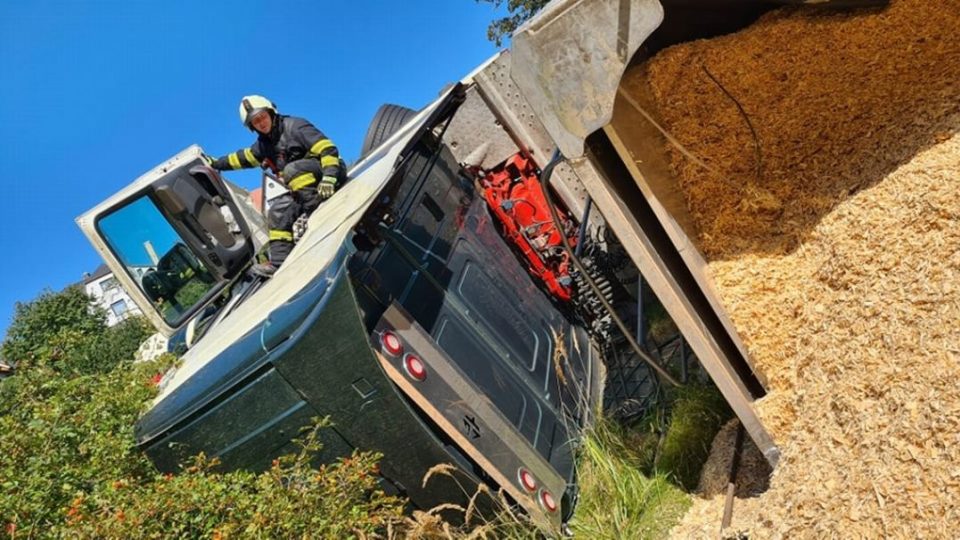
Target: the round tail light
(414, 367)
(391, 343)
(527, 480)
(547, 501)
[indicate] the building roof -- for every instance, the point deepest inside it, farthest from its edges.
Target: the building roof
(101, 271)
(256, 197)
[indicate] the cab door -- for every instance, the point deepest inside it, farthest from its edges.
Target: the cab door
(176, 238)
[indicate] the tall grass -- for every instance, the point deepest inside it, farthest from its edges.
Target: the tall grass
(697, 414)
(616, 499)
(634, 482)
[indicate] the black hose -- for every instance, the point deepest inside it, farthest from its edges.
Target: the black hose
(545, 182)
(743, 113)
(583, 226)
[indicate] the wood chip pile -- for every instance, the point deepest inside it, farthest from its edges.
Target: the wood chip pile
(840, 263)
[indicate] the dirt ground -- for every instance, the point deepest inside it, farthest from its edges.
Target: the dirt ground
(839, 262)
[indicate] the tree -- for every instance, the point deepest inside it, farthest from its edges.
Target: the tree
(112, 346)
(51, 325)
(65, 331)
(519, 10)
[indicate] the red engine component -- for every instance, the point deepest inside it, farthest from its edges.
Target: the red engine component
(515, 196)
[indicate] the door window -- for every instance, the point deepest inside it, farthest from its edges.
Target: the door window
(157, 258)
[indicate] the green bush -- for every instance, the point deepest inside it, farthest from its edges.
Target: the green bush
(70, 469)
(69, 466)
(66, 437)
(291, 500)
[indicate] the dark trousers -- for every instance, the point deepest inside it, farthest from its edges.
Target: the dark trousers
(286, 209)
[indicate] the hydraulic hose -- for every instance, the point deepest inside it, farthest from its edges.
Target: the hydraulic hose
(582, 232)
(545, 182)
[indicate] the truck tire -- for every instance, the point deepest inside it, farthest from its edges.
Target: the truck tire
(388, 119)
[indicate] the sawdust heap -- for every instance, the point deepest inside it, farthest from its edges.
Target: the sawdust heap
(837, 100)
(840, 264)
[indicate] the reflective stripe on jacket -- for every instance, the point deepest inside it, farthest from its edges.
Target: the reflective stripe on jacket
(291, 139)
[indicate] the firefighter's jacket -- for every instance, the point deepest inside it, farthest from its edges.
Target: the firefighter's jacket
(290, 140)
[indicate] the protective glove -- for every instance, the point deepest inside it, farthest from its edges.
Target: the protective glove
(327, 187)
(213, 163)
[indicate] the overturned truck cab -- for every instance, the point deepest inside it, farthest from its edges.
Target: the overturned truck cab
(401, 315)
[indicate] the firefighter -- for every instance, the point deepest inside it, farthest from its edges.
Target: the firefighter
(301, 156)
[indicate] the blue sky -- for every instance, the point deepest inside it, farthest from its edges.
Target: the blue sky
(93, 94)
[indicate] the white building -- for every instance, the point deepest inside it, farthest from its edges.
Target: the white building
(108, 294)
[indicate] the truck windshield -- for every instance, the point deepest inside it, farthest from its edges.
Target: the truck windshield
(156, 258)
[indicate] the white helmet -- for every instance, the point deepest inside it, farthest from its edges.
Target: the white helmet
(251, 105)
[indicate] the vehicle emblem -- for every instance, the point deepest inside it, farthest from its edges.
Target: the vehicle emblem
(470, 426)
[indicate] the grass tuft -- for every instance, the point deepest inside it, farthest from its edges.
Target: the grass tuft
(697, 414)
(616, 499)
